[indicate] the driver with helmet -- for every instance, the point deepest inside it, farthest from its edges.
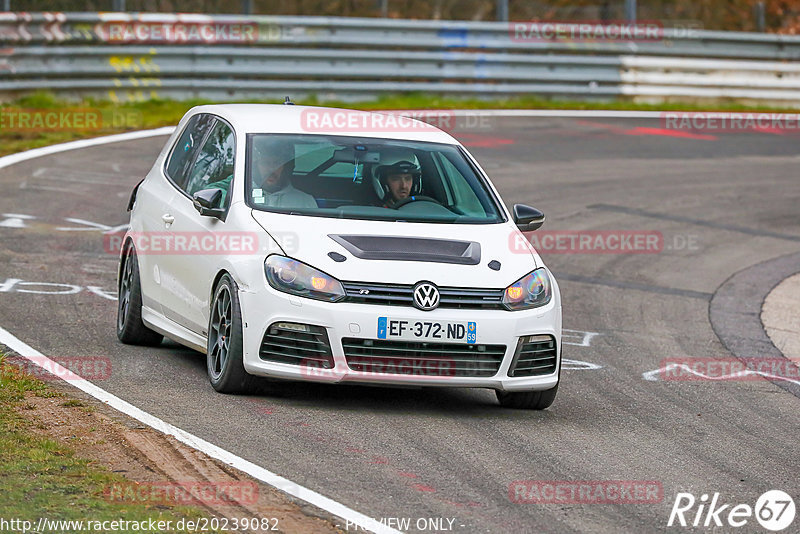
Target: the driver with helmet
(397, 179)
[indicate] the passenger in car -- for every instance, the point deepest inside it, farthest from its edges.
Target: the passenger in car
(272, 181)
(274, 174)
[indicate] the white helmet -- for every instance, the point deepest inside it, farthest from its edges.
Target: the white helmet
(396, 161)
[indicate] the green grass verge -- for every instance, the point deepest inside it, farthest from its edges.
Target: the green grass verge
(40, 477)
(155, 113)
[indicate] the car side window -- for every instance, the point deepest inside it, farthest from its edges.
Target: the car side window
(185, 148)
(213, 167)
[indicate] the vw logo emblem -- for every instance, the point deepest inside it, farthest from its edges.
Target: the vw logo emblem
(426, 296)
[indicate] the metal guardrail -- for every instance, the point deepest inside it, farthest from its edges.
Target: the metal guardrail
(122, 56)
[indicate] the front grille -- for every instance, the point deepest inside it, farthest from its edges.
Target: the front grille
(297, 344)
(536, 355)
(422, 358)
(402, 295)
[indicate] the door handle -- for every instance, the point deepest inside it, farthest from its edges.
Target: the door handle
(167, 218)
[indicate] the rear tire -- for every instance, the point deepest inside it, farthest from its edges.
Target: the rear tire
(130, 328)
(225, 354)
(528, 400)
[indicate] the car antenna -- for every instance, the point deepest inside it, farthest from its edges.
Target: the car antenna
(288, 102)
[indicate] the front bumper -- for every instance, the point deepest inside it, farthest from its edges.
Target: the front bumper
(263, 307)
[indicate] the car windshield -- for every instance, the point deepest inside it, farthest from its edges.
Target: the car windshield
(366, 178)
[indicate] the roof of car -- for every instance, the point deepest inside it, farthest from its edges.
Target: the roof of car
(278, 118)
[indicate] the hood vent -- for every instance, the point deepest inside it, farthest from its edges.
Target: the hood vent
(376, 247)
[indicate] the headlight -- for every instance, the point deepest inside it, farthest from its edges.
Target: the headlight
(530, 291)
(296, 278)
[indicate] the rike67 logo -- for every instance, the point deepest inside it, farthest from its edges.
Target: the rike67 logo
(774, 510)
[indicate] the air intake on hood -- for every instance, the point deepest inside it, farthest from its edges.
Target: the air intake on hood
(376, 247)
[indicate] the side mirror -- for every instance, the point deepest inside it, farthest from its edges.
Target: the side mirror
(207, 202)
(527, 218)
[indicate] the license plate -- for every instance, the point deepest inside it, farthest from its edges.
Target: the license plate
(418, 330)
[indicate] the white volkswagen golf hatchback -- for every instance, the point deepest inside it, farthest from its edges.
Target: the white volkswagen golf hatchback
(331, 245)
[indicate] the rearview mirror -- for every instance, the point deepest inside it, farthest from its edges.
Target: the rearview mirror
(207, 202)
(527, 218)
(358, 153)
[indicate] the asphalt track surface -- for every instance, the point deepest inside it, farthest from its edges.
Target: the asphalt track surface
(723, 203)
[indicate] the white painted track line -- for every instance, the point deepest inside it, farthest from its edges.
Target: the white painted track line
(355, 519)
(607, 113)
(561, 113)
(11, 159)
(351, 516)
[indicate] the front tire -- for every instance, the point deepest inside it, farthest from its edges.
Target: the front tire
(130, 328)
(225, 355)
(528, 400)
